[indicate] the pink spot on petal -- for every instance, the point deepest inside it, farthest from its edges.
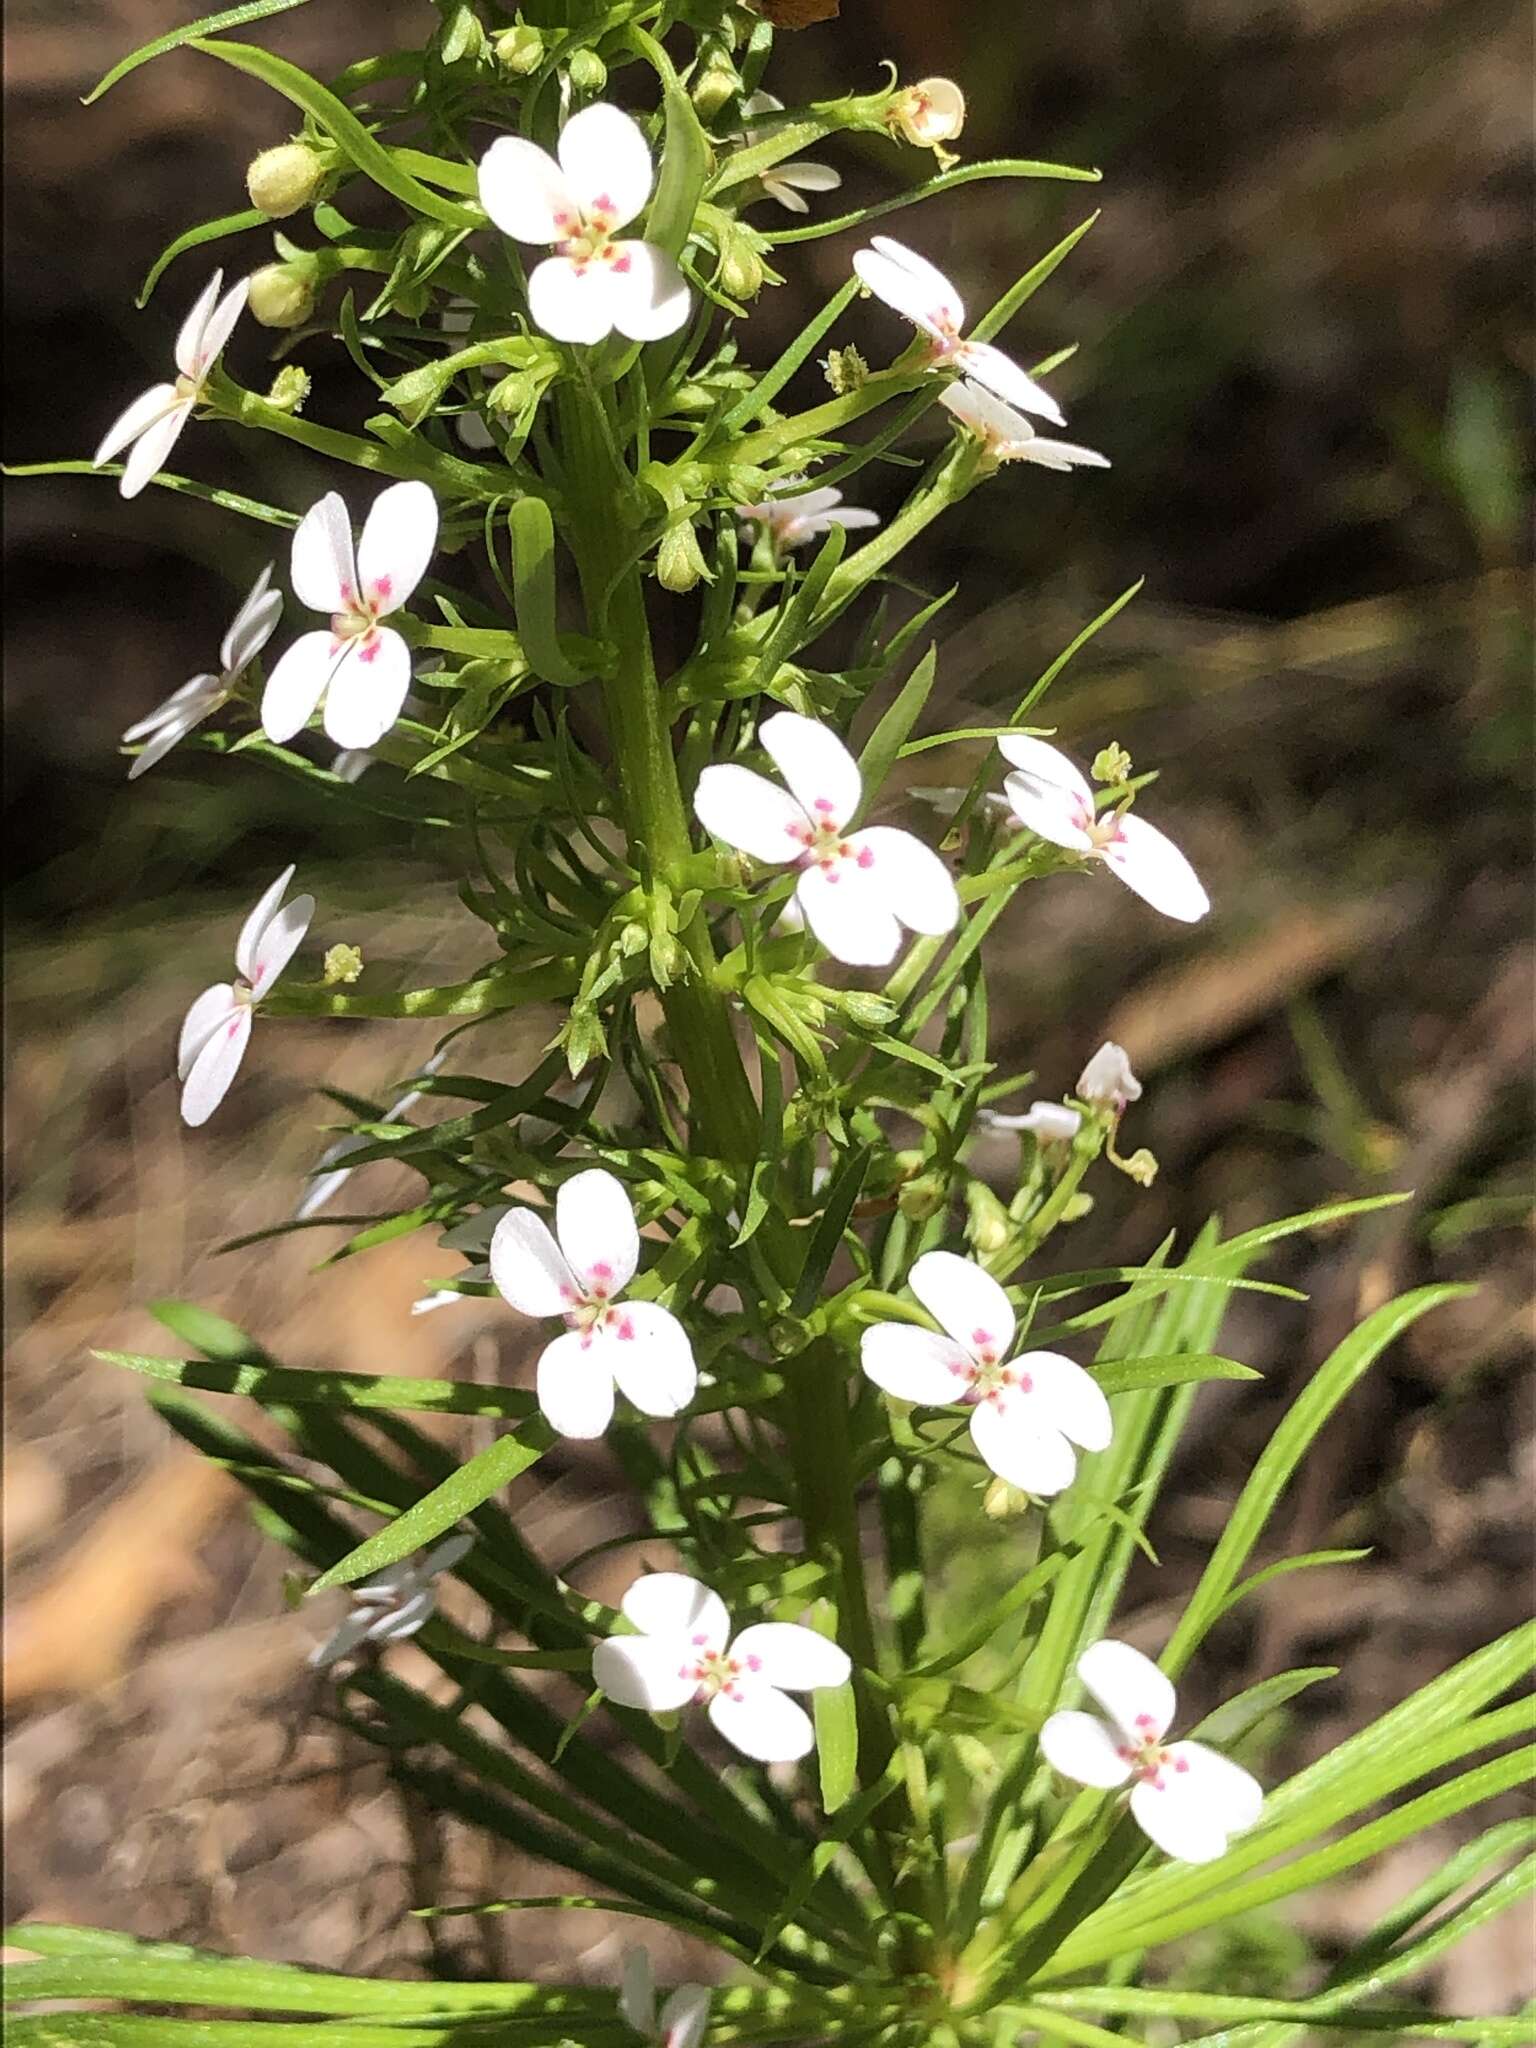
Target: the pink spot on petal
(382, 586)
(824, 803)
(1146, 1721)
(369, 649)
(1181, 1763)
(981, 1340)
(754, 1663)
(621, 265)
(866, 857)
(1026, 1384)
(700, 1639)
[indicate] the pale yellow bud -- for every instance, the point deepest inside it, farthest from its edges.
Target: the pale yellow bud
(284, 180)
(280, 297)
(588, 72)
(1003, 1502)
(342, 964)
(715, 82)
(928, 114)
(679, 564)
(520, 50)
(741, 270)
(987, 1227)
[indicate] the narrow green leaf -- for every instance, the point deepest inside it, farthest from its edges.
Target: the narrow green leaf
(840, 1196)
(205, 232)
(684, 158)
(1285, 1565)
(211, 1334)
(1129, 1374)
(278, 1386)
(969, 174)
(837, 1744)
(210, 24)
(534, 585)
(1234, 1717)
(889, 736)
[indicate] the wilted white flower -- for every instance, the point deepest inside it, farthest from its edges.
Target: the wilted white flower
(154, 421)
(856, 889)
(1008, 435)
(685, 1651)
(1049, 1123)
(637, 1345)
(1053, 799)
(1187, 1798)
(217, 1028)
(392, 1604)
(1026, 1412)
(252, 627)
(359, 666)
(785, 182)
(1107, 1081)
(683, 2016)
(911, 286)
(802, 515)
(601, 181)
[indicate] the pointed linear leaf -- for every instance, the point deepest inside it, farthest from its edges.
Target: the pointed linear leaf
(889, 736)
(279, 1387)
(1128, 1374)
(533, 579)
(231, 17)
(198, 237)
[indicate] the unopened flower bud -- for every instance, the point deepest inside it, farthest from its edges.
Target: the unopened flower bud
(863, 1006)
(742, 269)
(716, 81)
(1081, 1205)
(845, 370)
(987, 1224)
(1112, 764)
(679, 562)
(929, 113)
(285, 179)
(666, 956)
(923, 1197)
(633, 939)
(464, 38)
(1004, 1502)
(280, 296)
(343, 964)
(520, 49)
(290, 388)
(587, 71)
(1107, 1081)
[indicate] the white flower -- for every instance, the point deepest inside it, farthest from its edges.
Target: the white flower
(154, 421)
(685, 1651)
(914, 288)
(682, 2019)
(1026, 1413)
(250, 630)
(1008, 435)
(327, 1178)
(928, 113)
(1049, 1123)
(785, 182)
(361, 668)
(602, 180)
(394, 1603)
(1052, 798)
(1186, 1797)
(218, 1025)
(1107, 1081)
(801, 516)
(856, 890)
(637, 1344)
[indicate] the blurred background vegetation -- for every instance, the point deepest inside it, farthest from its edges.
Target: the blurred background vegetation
(1304, 335)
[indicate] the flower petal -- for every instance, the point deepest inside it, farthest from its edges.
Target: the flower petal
(1001, 375)
(975, 407)
(1062, 455)
(355, 1629)
(968, 1302)
(529, 1268)
(914, 1364)
(785, 194)
(637, 1991)
(297, 683)
(1137, 1697)
(171, 734)
(571, 302)
(442, 1557)
(595, 1223)
(194, 700)
(136, 419)
(819, 769)
(404, 1620)
(644, 1671)
(217, 329)
(648, 295)
(673, 1605)
(764, 1724)
(787, 1655)
(214, 1007)
(751, 813)
(327, 1180)
(806, 177)
(323, 569)
(280, 939)
(190, 333)
(915, 883)
(252, 626)
(215, 1067)
(367, 689)
(1223, 1785)
(398, 541)
(1147, 861)
(575, 1386)
(257, 921)
(651, 1358)
(152, 450)
(852, 922)
(1180, 1820)
(1052, 782)
(685, 2016)
(1068, 1398)
(1018, 1448)
(525, 192)
(607, 163)
(1081, 1747)
(911, 286)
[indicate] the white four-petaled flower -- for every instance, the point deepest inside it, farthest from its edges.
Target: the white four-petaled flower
(218, 1025)
(1052, 797)
(911, 286)
(392, 1604)
(785, 182)
(637, 1344)
(1007, 435)
(856, 889)
(685, 1651)
(601, 181)
(361, 667)
(1187, 1798)
(684, 2014)
(250, 630)
(803, 515)
(154, 421)
(1026, 1412)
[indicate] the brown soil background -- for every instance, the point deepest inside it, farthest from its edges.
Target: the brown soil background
(1309, 279)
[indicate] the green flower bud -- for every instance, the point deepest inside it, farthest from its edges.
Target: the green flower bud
(286, 179)
(742, 269)
(1081, 1205)
(290, 388)
(463, 38)
(280, 296)
(845, 369)
(342, 964)
(1003, 1502)
(633, 939)
(587, 71)
(520, 50)
(716, 82)
(679, 561)
(923, 1197)
(987, 1224)
(1112, 764)
(666, 957)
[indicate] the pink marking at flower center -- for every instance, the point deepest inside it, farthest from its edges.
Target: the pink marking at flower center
(715, 1671)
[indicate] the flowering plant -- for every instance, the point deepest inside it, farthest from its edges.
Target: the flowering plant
(794, 1332)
